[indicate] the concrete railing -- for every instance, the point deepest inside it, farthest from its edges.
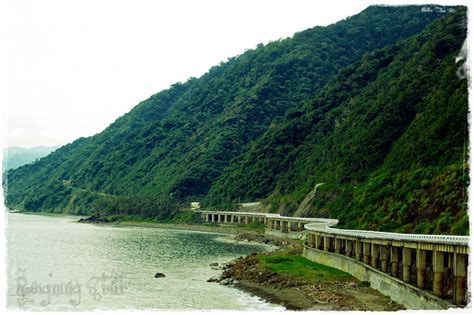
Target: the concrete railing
(442, 239)
(436, 264)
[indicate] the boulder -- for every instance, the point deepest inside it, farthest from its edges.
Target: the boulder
(159, 275)
(213, 279)
(226, 281)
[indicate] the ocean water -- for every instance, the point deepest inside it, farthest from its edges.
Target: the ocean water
(54, 263)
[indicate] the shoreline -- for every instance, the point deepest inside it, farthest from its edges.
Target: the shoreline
(334, 291)
(198, 227)
(248, 275)
(231, 230)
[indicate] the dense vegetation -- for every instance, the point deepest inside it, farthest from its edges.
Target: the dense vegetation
(344, 121)
(386, 138)
(146, 207)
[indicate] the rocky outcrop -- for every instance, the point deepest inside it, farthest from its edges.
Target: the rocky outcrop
(298, 293)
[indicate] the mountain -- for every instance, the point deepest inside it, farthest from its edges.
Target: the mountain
(383, 146)
(262, 125)
(17, 156)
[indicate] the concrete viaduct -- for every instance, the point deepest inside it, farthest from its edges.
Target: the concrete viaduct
(417, 271)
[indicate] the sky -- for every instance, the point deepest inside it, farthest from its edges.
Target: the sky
(73, 67)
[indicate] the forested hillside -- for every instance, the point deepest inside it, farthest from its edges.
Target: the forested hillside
(386, 140)
(367, 106)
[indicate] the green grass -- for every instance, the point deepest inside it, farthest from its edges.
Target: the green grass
(185, 217)
(253, 226)
(300, 266)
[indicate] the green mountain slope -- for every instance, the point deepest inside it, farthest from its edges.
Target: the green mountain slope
(386, 140)
(180, 140)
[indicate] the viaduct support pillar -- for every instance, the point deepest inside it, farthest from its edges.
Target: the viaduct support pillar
(384, 253)
(406, 261)
(358, 250)
(349, 248)
(366, 253)
(326, 243)
(460, 272)
(420, 268)
(337, 245)
(394, 253)
(375, 253)
(438, 273)
(318, 241)
(311, 240)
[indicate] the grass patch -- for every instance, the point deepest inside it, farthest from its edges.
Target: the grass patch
(211, 224)
(256, 226)
(300, 266)
(184, 217)
(253, 226)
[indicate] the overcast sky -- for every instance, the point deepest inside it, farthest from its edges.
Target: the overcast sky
(73, 67)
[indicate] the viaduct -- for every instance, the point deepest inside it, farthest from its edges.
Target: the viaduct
(416, 271)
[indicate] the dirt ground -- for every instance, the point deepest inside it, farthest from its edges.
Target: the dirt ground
(301, 293)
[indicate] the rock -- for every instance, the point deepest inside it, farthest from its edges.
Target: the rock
(213, 264)
(273, 279)
(159, 275)
(95, 218)
(213, 279)
(226, 281)
(226, 274)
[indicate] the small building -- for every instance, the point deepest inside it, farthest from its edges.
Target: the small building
(195, 205)
(67, 182)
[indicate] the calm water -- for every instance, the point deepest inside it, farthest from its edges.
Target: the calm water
(56, 264)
